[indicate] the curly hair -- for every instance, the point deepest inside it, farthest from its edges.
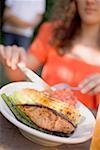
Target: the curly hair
(66, 12)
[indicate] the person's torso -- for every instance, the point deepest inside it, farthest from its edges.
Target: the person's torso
(66, 69)
(26, 11)
(69, 70)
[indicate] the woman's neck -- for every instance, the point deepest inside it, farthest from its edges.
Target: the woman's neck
(85, 46)
(89, 34)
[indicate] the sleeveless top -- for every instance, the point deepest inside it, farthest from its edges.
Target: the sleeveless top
(62, 69)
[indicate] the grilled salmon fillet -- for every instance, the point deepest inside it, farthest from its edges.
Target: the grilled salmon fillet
(48, 112)
(47, 119)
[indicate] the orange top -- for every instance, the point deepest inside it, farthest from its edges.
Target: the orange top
(61, 69)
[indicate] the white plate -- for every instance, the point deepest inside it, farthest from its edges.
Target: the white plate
(83, 132)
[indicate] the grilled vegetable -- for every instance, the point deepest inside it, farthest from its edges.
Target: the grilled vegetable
(21, 116)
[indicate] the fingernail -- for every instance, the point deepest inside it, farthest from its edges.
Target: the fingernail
(83, 91)
(8, 63)
(13, 67)
(80, 85)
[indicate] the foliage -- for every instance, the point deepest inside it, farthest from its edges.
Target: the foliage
(49, 5)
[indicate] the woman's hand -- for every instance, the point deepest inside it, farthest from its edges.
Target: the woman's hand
(91, 84)
(11, 55)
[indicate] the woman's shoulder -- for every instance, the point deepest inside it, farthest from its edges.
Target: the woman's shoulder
(46, 32)
(47, 25)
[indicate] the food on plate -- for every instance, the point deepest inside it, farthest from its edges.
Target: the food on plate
(65, 95)
(50, 112)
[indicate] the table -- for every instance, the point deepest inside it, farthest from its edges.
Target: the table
(11, 139)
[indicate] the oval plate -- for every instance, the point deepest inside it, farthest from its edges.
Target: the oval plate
(83, 132)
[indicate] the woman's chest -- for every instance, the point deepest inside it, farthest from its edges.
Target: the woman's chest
(88, 55)
(67, 69)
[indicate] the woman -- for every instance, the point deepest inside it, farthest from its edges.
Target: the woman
(68, 47)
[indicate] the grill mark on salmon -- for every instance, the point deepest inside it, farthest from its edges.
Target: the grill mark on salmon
(54, 111)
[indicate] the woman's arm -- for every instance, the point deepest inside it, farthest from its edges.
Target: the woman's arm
(11, 55)
(37, 54)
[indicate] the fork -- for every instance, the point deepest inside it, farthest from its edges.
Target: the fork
(64, 86)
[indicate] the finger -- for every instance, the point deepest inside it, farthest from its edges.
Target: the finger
(2, 51)
(91, 85)
(15, 57)
(88, 80)
(23, 55)
(96, 90)
(8, 51)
